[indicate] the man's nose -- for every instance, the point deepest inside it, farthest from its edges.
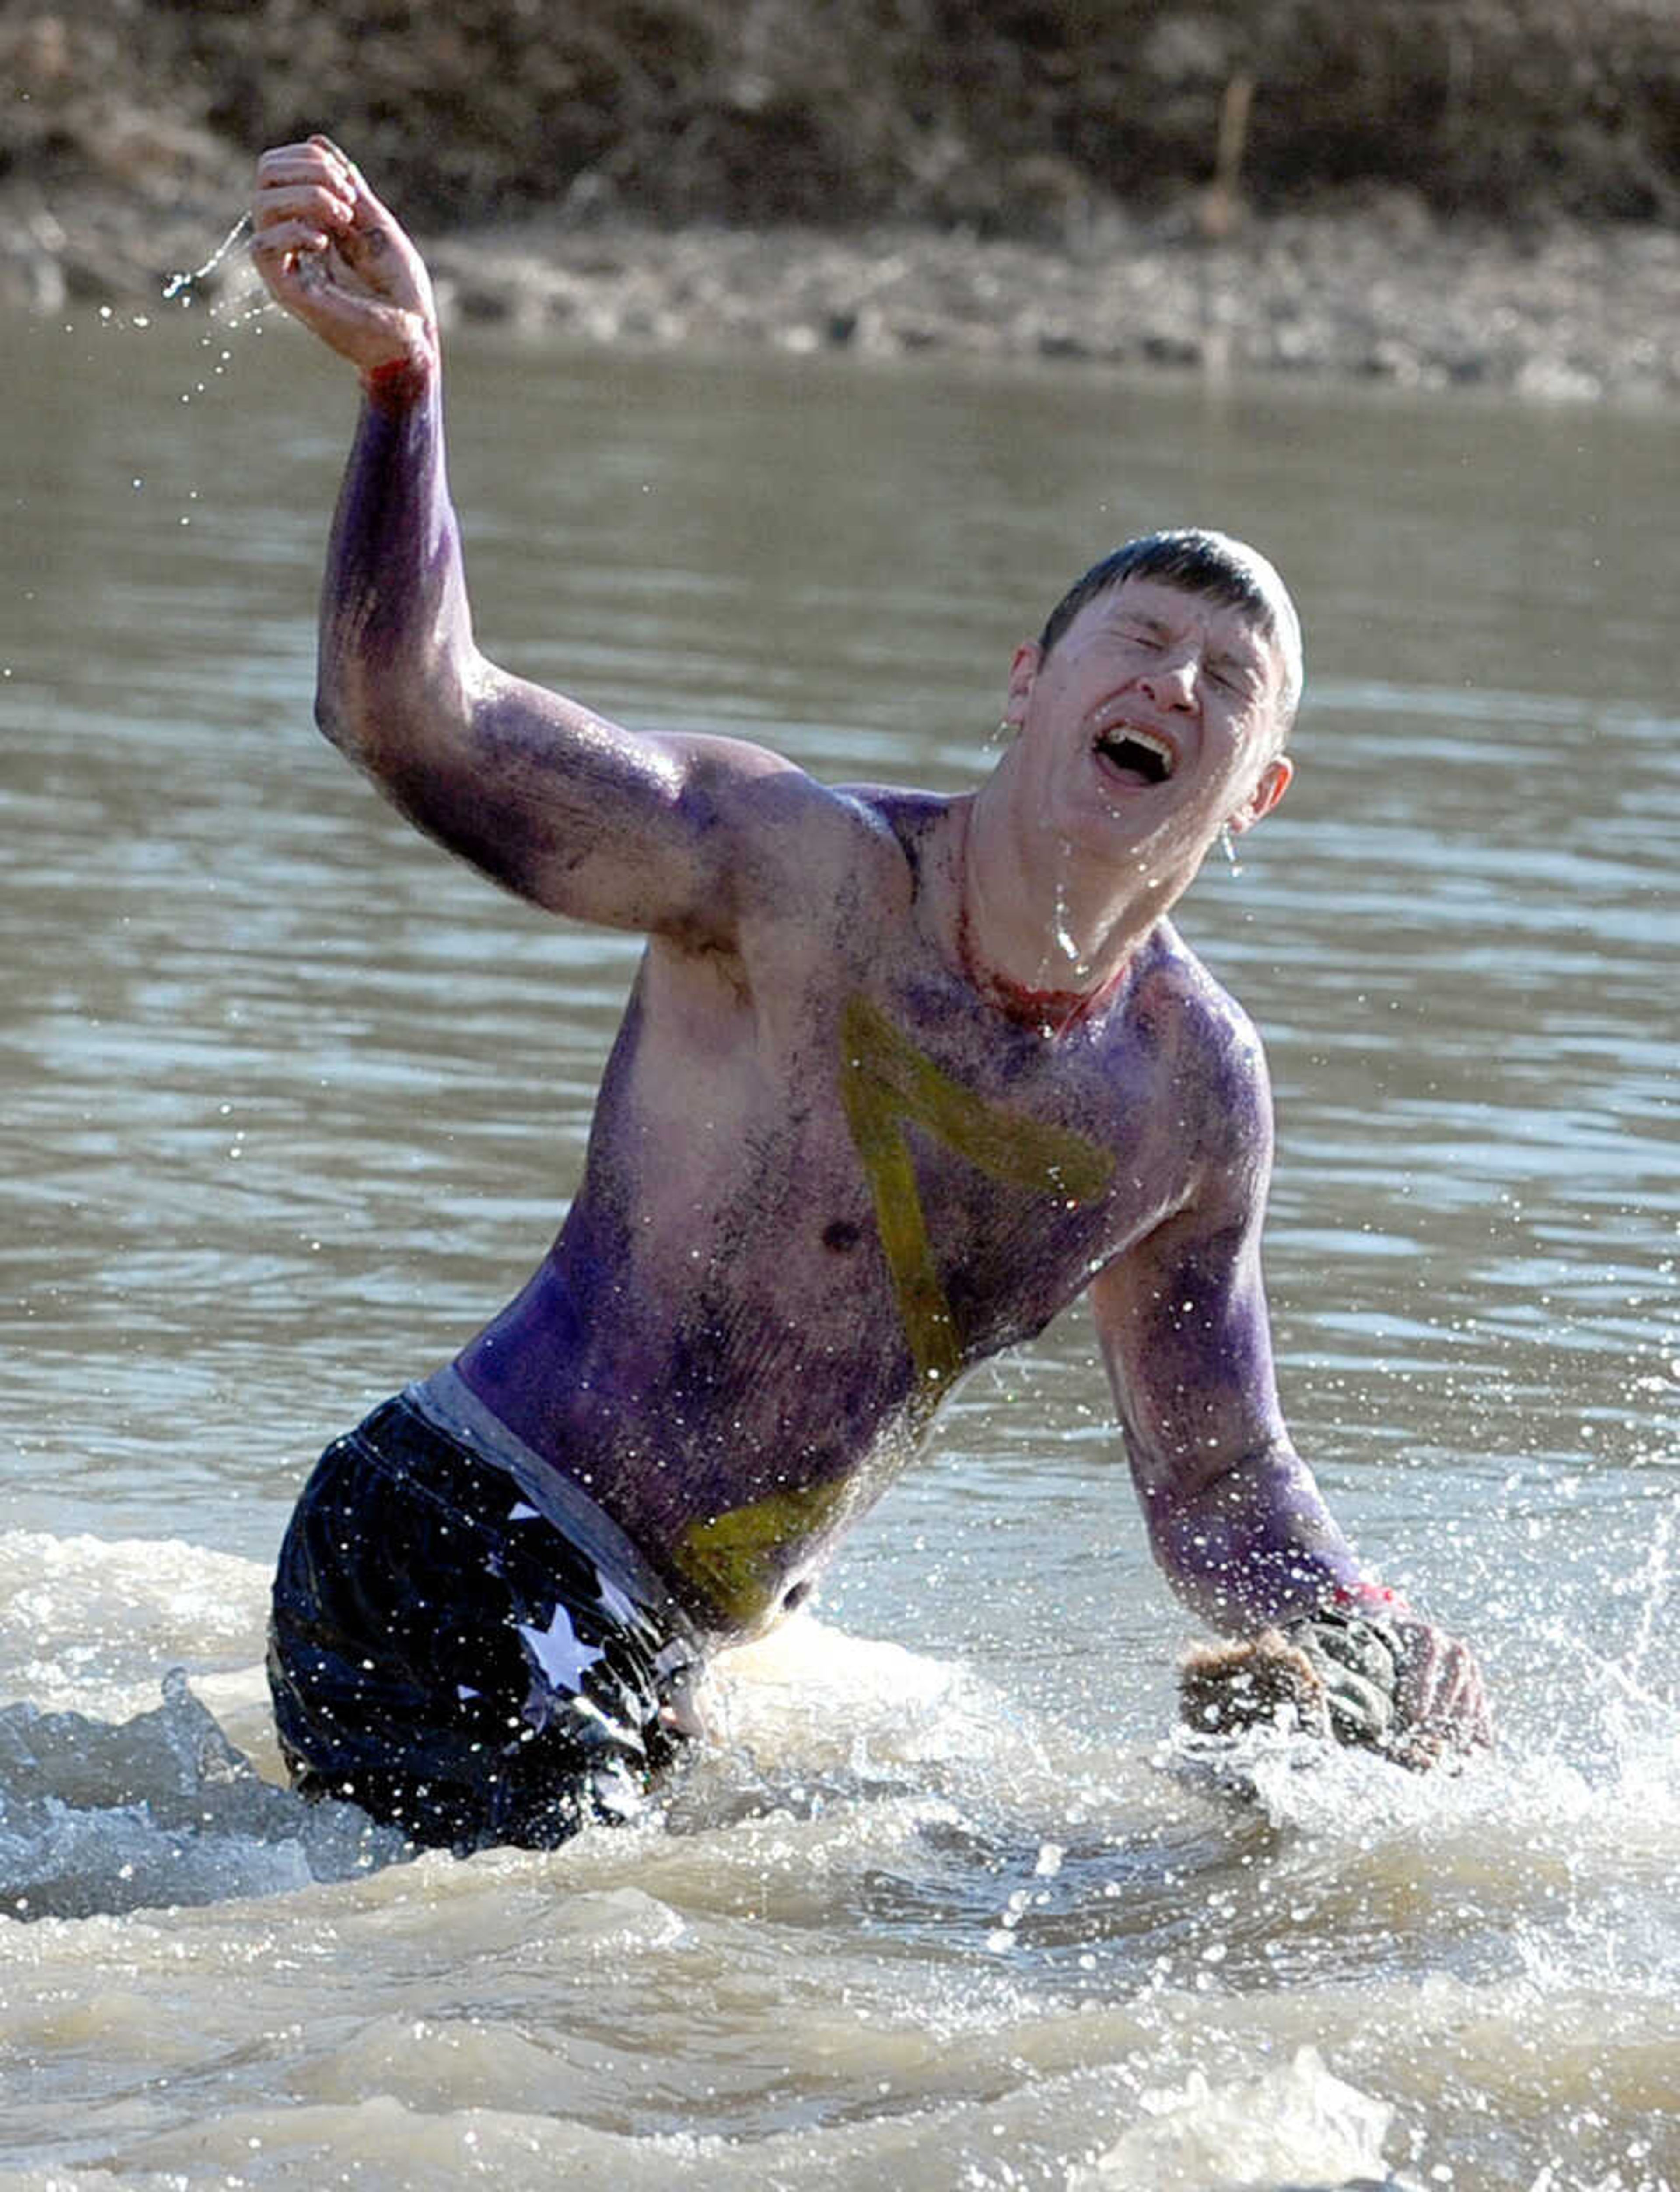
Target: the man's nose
(1170, 681)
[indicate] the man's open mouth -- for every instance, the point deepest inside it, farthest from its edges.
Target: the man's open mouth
(1138, 753)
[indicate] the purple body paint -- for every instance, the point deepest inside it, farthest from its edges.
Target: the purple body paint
(828, 1172)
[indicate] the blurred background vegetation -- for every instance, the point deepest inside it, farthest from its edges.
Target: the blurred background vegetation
(1017, 118)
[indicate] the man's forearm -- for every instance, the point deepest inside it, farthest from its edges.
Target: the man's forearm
(396, 636)
(1255, 1545)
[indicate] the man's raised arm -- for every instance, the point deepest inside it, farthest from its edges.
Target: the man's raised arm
(555, 802)
(1235, 1519)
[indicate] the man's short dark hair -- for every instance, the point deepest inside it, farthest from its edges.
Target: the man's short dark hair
(1201, 562)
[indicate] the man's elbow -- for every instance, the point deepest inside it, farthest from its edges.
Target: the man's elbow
(332, 719)
(356, 713)
(346, 719)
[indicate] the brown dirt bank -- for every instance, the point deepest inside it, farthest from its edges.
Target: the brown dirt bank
(1380, 294)
(1431, 191)
(1007, 117)
(1383, 294)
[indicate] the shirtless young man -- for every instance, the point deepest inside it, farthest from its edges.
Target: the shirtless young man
(901, 1075)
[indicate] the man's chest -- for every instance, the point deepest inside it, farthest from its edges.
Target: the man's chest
(995, 1170)
(886, 1145)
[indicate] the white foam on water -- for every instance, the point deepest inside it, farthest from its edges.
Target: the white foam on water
(90, 2180)
(1298, 2125)
(90, 1625)
(120, 1788)
(813, 1693)
(892, 1929)
(112, 1802)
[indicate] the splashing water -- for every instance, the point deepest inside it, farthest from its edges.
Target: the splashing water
(1301, 2123)
(1065, 942)
(1653, 1585)
(842, 1966)
(161, 1809)
(239, 311)
(181, 285)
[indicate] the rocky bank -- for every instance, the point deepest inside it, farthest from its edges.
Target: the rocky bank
(1383, 292)
(1456, 193)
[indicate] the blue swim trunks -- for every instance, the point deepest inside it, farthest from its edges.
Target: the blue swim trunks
(462, 1643)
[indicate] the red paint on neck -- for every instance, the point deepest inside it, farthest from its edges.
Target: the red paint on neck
(1055, 1011)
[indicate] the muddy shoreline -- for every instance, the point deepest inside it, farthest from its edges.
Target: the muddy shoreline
(1388, 295)
(1384, 292)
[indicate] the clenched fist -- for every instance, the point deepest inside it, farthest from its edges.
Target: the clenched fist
(1391, 1683)
(336, 259)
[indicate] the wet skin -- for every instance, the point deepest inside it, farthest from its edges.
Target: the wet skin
(873, 1115)
(721, 1345)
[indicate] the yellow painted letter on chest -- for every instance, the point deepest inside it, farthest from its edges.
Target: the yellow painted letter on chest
(886, 1081)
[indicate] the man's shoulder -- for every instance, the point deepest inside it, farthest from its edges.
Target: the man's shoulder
(828, 874)
(1174, 981)
(1205, 1038)
(890, 833)
(889, 816)
(896, 810)
(805, 841)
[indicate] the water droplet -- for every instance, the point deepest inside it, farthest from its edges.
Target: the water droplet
(180, 285)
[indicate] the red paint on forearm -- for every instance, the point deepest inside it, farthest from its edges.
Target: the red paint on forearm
(398, 384)
(1365, 1596)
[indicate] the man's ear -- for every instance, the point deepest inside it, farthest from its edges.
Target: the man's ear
(1023, 670)
(1275, 780)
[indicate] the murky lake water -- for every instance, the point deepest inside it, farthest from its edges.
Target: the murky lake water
(290, 1102)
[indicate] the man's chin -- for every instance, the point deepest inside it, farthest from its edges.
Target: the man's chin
(1137, 827)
